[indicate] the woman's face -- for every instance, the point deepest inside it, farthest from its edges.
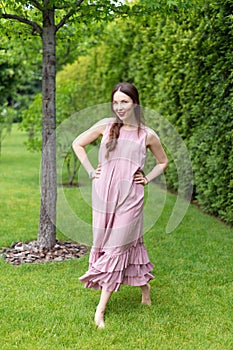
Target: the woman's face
(123, 106)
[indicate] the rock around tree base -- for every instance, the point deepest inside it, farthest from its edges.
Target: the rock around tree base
(31, 252)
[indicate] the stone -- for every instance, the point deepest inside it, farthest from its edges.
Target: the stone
(31, 252)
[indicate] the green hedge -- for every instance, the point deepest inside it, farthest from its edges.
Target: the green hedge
(195, 92)
(182, 66)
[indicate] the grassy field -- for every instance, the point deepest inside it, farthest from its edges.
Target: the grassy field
(44, 307)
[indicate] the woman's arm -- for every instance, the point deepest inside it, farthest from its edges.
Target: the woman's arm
(85, 139)
(154, 144)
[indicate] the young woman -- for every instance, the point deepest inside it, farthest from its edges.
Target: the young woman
(118, 255)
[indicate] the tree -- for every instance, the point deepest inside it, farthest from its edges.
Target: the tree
(45, 18)
(18, 81)
(41, 16)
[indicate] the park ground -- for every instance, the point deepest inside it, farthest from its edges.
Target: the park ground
(45, 307)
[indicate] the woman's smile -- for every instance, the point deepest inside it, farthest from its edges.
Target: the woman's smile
(121, 114)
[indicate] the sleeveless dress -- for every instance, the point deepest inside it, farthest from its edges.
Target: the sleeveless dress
(118, 254)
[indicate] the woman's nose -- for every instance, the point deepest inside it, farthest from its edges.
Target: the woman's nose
(119, 107)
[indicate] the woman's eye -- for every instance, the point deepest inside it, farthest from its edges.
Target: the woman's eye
(122, 102)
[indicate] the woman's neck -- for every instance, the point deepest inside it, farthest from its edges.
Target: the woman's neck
(128, 126)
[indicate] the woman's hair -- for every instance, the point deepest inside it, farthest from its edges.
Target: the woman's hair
(131, 91)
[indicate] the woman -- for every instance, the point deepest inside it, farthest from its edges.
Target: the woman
(118, 255)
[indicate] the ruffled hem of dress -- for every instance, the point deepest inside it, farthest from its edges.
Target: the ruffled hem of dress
(110, 271)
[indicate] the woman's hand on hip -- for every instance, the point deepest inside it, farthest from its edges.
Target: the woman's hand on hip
(95, 174)
(140, 178)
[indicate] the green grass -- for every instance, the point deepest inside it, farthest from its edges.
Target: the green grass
(44, 307)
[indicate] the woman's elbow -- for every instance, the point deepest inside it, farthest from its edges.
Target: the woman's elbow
(76, 147)
(165, 164)
(74, 144)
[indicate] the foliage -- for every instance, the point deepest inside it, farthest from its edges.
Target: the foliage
(195, 93)
(182, 68)
(20, 67)
(18, 81)
(7, 115)
(46, 19)
(181, 65)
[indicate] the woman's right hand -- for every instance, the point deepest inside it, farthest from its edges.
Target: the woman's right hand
(96, 173)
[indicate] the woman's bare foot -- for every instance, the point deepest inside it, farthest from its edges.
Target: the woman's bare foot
(99, 318)
(100, 310)
(146, 294)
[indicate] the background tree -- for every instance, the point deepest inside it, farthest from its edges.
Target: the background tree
(45, 18)
(182, 67)
(19, 79)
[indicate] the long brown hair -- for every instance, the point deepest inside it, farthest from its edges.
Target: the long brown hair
(114, 132)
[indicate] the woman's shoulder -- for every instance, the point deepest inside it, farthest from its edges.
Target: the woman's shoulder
(151, 134)
(102, 124)
(105, 121)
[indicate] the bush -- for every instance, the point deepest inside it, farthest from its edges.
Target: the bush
(182, 66)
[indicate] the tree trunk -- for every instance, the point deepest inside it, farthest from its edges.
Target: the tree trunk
(47, 223)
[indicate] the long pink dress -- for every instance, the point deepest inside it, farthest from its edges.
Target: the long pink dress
(118, 255)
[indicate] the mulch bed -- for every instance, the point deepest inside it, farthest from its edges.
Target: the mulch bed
(31, 252)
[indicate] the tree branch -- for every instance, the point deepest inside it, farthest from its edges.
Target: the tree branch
(37, 5)
(23, 20)
(46, 3)
(68, 15)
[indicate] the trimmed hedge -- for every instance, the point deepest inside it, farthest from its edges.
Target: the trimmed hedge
(182, 66)
(184, 69)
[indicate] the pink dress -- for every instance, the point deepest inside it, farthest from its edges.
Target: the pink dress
(118, 255)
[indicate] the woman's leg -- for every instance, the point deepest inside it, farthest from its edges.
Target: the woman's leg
(100, 310)
(146, 294)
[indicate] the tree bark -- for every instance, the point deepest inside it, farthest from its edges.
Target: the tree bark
(47, 222)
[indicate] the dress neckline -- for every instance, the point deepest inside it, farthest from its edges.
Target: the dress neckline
(129, 129)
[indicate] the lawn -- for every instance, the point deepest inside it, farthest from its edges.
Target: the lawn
(44, 307)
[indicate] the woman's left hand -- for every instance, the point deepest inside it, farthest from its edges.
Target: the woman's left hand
(140, 178)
